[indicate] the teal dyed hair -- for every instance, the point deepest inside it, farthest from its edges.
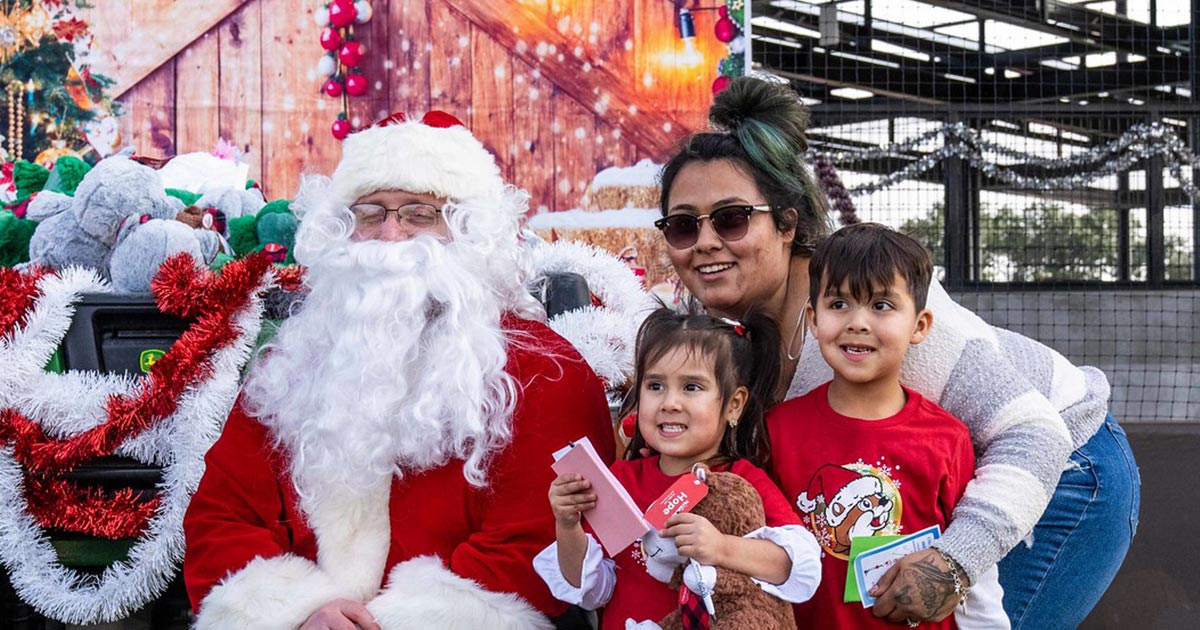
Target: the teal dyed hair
(760, 127)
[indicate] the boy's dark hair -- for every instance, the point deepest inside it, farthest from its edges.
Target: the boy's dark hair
(749, 358)
(868, 256)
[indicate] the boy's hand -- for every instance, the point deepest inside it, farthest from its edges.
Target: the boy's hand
(570, 496)
(697, 538)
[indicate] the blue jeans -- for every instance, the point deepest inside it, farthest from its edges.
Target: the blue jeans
(1081, 539)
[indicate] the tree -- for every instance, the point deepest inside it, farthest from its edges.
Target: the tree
(40, 45)
(1044, 243)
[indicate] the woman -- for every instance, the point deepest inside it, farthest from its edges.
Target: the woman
(749, 215)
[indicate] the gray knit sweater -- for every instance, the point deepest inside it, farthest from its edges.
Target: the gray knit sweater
(1026, 406)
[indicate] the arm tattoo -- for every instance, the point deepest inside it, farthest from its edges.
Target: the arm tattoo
(902, 596)
(935, 586)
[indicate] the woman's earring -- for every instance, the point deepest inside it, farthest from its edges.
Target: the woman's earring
(733, 423)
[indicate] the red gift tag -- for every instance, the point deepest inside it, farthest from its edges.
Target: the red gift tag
(682, 496)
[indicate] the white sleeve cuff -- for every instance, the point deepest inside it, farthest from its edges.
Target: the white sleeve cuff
(596, 580)
(805, 553)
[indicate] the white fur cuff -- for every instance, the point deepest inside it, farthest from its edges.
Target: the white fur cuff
(422, 594)
(270, 593)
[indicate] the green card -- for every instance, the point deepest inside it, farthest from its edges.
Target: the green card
(857, 546)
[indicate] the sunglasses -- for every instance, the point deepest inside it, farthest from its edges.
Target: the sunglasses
(729, 222)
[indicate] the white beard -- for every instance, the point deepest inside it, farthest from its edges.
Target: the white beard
(394, 365)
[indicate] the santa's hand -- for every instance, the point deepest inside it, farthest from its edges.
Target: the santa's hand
(341, 614)
(919, 587)
(570, 496)
(697, 538)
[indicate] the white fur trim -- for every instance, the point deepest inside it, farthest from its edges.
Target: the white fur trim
(423, 594)
(269, 593)
(604, 336)
(353, 534)
(67, 404)
(448, 162)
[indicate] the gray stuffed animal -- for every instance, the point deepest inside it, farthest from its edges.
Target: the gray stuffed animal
(116, 189)
(58, 241)
(143, 246)
(120, 222)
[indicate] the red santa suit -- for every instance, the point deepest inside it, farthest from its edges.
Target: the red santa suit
(254, 558)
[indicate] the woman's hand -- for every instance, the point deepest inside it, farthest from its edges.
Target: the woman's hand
(341, 614)
(570, 496)
(697, 538)
(920, 587)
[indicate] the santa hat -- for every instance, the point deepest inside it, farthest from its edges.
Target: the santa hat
(436, 154)
(834, 485)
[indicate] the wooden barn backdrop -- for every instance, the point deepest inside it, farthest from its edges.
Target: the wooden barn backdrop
(557, 89)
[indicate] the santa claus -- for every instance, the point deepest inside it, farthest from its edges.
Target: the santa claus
(386, 464)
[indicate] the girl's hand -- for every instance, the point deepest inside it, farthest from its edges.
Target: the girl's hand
(570, 496)
(697, 538)
(341, 614)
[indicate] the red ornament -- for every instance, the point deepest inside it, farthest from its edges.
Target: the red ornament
(723, 11)
(721, 83)
(356, 85)
(340, 128)
(342, 12)
(350, 54)
(725, 30)
(330, 38)
(333, 87)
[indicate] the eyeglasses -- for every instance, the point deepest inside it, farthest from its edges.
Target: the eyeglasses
(729, 222)
(418, 215)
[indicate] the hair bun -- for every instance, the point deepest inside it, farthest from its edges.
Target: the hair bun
(771, 104)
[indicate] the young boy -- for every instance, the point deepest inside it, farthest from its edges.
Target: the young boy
(863, 455)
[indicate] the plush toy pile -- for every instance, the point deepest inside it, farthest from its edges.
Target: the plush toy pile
(123, 218)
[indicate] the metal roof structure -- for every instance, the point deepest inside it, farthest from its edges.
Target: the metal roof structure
(1062, 57)
(978, 51)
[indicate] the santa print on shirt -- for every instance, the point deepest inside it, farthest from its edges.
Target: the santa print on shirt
(850, 477)
(637, 595)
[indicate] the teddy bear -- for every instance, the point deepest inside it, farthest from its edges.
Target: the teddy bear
(82, 228)
(734, 507)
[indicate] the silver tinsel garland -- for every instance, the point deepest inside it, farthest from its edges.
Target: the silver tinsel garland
(1136, 145)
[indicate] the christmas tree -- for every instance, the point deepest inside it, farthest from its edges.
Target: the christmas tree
(51, 99)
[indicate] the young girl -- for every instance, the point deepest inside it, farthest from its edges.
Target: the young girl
(700, 392)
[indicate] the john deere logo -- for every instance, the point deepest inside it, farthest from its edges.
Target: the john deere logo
(149, 358)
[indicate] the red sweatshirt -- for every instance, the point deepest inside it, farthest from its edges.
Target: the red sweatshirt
(850, 477)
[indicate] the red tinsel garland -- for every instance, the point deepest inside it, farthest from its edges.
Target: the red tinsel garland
(179, 289)
(62, 505)
(17, 294)
(156, 396)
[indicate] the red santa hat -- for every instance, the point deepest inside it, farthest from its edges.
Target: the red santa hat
(837, 486)
(435, 154)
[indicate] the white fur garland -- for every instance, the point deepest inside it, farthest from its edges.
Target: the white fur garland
(70, 403)
(604, 335)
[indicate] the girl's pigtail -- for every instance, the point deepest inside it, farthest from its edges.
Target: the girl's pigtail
(760, 374)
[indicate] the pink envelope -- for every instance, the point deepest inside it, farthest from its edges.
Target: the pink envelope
(616, 519)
